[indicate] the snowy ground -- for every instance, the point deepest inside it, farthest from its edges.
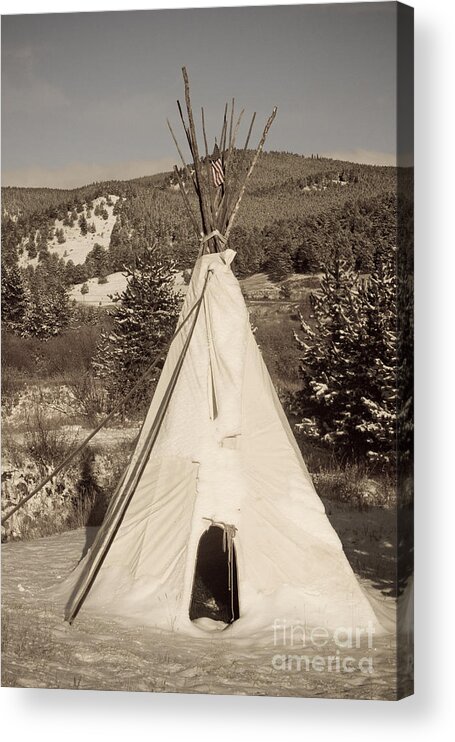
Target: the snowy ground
(257, 286)
(99, 294)
(40, 650)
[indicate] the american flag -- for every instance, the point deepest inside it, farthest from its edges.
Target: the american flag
(217, 167)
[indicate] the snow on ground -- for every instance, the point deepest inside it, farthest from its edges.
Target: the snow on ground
(77, 246)
(256, 286)
(40, 650)
(99, 294)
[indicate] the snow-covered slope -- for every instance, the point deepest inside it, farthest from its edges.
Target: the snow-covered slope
(77, 246)
(99, 294)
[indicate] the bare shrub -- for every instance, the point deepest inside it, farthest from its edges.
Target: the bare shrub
(45, 444)
(89, 393)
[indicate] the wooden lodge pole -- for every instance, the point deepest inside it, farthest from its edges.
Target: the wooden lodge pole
(206, 221)
(248, 175)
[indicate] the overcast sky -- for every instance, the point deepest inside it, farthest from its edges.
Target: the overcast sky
(85, 96)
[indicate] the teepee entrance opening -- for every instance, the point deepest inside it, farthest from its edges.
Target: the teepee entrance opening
(215, 590)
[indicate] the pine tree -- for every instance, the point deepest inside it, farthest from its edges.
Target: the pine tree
(31, 248)
(14, 298)
(143, 322)
(349, 362)
(376, 360)
(48, 308)
(279, 263)
(97, 261)
(83, 224)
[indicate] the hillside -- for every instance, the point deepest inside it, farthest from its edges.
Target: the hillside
(297, 212)
(284, 188)
(66, 240)
(276, 173)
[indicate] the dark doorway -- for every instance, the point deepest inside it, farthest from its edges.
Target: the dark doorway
(215, 592)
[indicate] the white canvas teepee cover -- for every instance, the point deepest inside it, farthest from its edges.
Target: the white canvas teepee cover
(225, 452)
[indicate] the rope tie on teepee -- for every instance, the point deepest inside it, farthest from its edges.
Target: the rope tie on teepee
(204, 239)
(214, 233)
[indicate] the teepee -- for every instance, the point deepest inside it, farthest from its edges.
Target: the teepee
(216, 523)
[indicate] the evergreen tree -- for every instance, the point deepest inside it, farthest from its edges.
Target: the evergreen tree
(83, 224)
(31, 248)
(308, 255)
(143, 322)
(279, 263)
(405, 301)
(48, 309)
(97, 261)
(349, 363)
(14, 298)
(42, 241)
(250, 252)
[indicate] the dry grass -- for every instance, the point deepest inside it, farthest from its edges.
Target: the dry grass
(43, 442)
(274, 325)
(353, 484)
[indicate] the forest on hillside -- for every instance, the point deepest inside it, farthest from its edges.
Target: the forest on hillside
(299, 214)
(296, 212)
